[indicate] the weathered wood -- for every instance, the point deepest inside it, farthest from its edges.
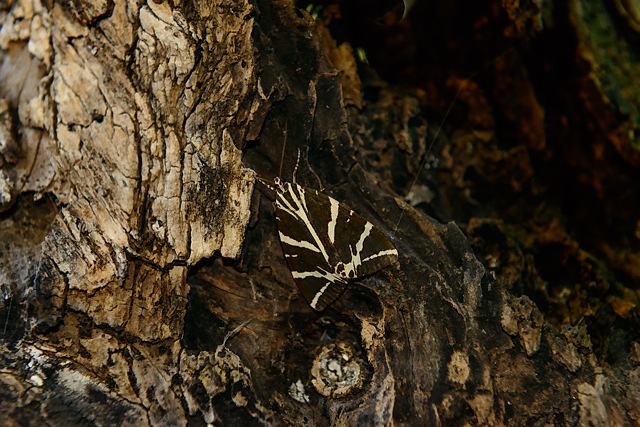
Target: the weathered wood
(148, 285)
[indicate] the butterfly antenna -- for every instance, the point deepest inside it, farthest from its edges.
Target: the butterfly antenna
(295, 170)
(270, 185)
(284, 146)
(442, 122)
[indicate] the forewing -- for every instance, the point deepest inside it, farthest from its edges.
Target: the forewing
(303, 217)
(325, 243)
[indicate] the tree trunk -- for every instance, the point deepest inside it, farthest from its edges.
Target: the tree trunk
(142, 273)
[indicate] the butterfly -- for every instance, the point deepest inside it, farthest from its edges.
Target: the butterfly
(325, 243)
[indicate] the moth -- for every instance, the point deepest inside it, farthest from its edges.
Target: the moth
(325, 243)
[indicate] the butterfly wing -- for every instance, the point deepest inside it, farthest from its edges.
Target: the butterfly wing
(302, 222)
(325, 243)
(361, 247)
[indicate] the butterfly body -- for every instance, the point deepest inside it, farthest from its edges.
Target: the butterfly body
(325, 243)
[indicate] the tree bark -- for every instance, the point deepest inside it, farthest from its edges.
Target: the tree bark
(142, 274)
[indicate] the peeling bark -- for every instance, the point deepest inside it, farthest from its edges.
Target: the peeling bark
(143, 281)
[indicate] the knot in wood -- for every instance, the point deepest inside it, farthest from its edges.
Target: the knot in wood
(337, 371)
